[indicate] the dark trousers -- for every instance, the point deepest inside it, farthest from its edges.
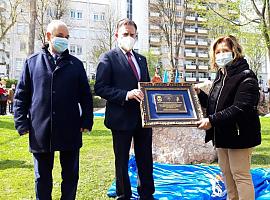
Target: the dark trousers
(142, 138)
(10, 107)
(43, 165)
(3, 107)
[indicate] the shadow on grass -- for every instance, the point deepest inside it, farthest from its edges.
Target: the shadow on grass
(8, 164)
(96, 132)
(260, 159)
(7, 124)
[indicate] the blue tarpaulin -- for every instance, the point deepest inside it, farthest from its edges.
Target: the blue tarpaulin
(200, 182)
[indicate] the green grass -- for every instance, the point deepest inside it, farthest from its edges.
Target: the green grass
(16, 166)
(96, 162)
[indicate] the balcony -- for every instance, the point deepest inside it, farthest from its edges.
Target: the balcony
(191, 79)
(2, 6)
(202, 55)
(202, 7)
(156, 52)
(203, 79)
(190, 54)
(201, 19)
(203, 67)
(190, 30)
(190, 66)
(153, 39)
(190, 18)
(202, 31)
(202, 43)
(191, 6)
(190, 42)
(2, 46)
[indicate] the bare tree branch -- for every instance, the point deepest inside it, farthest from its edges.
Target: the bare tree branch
(6, 22)
(171, 26)
(231, 21)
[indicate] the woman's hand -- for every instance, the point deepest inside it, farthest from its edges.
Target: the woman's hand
(204, 124)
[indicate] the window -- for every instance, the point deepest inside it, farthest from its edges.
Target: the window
(79, 50)
(75, 49)
(79, 14)
(102, 16)
(95, 17)
(72, 14)
(22, 46)
(203, 75)
(190, 74)
(20, 28)
(178, 2)
(129, 9)
(76, 14)
(178, 14)
(72, 49)
(19, 65)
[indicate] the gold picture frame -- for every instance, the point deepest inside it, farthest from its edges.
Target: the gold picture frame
(169, 104)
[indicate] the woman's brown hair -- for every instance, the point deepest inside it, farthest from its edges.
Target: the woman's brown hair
(232, 43)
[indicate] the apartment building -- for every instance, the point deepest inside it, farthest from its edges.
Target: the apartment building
(193, 60)
(85, 21)
(3, 46)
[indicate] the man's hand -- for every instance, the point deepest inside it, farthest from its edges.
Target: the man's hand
(84, 130)
(135, 94)
(204, 124)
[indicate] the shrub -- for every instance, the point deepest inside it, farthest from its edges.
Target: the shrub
(98, 102)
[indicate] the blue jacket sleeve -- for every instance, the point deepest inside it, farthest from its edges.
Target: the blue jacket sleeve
(22, 101)
(104, 87)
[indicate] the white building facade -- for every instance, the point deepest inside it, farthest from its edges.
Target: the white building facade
(87, 20)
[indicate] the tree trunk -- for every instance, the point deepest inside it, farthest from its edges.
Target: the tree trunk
(32, 27)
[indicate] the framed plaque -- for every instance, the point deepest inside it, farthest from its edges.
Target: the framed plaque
(169, 104)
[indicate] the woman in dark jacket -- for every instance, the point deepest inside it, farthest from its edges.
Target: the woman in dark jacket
(232, 121)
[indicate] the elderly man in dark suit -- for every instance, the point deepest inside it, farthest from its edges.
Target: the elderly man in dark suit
(118, 74)
(52, 91)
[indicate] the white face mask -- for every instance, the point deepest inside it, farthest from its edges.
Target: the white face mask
(126, 43)
(223, 59)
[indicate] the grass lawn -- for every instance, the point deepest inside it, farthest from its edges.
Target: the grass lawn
(96, 162)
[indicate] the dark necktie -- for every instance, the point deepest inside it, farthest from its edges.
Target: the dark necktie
(132, 65)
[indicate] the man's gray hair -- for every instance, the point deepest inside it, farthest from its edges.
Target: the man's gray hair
(54, 24)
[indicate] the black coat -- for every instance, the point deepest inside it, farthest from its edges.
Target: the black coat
(113, 80)
(47, 102)
(233, 113)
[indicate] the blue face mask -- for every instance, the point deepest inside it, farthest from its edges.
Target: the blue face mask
(60, 44)
(222, 59)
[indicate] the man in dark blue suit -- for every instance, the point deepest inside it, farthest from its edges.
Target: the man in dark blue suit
(118, 74)
(52, 89)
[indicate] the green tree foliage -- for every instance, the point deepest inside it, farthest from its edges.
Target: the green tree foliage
(231, 18)
(152, 62)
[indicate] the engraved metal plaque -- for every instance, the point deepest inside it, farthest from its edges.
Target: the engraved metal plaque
(169, 104)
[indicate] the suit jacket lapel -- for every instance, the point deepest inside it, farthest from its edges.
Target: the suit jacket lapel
(141, 64)
(123, 61)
